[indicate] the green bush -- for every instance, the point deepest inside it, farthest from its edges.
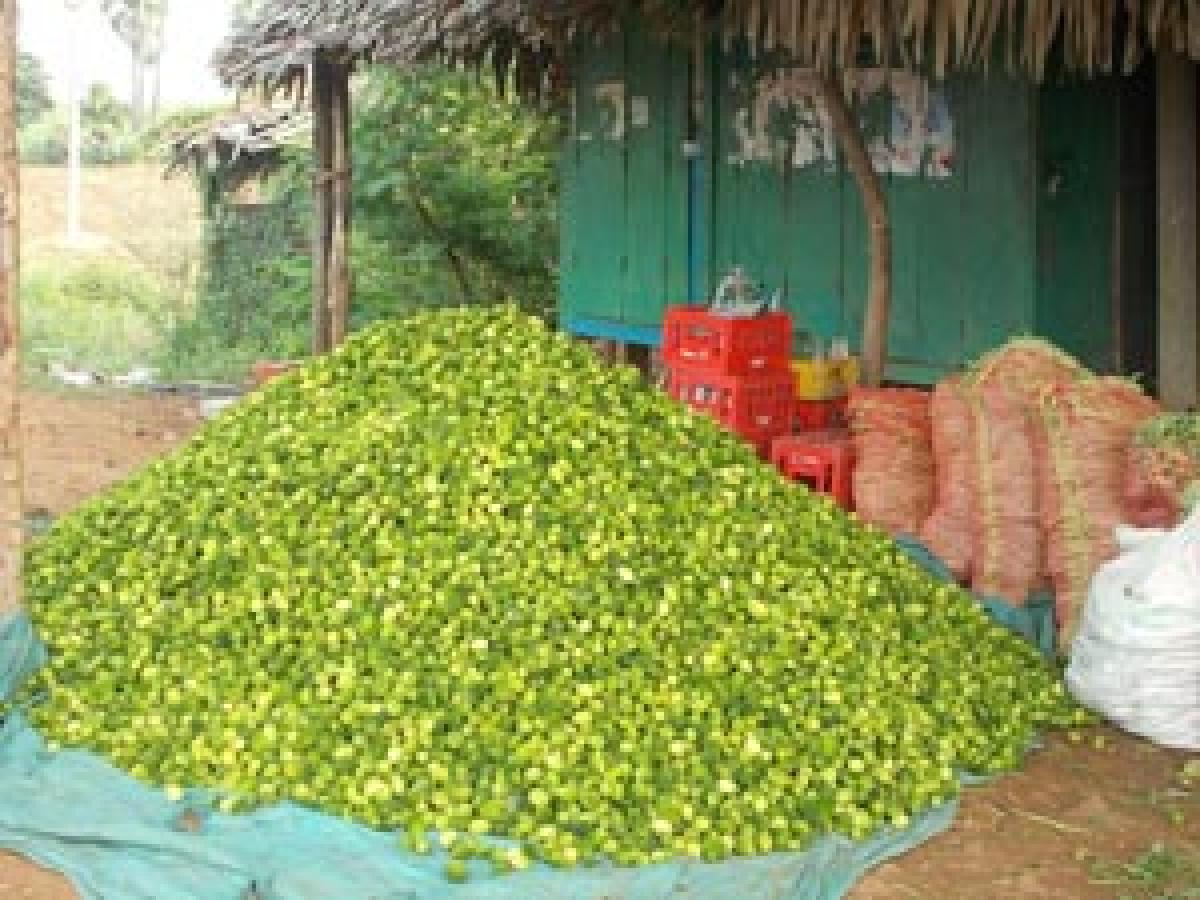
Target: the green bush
(455, 201)
(253, 303)
(45, 143)
(99, 314)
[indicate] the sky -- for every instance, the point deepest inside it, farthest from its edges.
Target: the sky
(194, 29)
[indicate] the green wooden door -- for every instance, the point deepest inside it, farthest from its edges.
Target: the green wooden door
(1076, 204)
(782, 222)
(983, 247)
(594, 215)
(963, 239)
(656, 182)
(625, 195)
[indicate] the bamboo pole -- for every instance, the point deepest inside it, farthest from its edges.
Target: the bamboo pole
(870, 188)
(339, 250)
(12, 512)
(322, 203)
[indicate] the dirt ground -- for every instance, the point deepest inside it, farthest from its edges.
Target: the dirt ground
(79, 442)
(1104, 816)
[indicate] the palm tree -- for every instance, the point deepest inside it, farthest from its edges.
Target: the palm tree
(141, 25)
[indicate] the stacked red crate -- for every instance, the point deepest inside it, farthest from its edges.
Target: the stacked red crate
(822, 459)
(736, 369)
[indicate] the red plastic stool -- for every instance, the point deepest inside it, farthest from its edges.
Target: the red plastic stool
(825, 460)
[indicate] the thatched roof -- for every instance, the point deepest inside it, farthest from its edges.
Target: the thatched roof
(240, 146)
(1090, 36)
(275, 47)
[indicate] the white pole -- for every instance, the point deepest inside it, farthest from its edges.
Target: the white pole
(74, 152)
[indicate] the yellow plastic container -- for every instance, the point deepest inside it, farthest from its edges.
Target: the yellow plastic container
(817, 379)
(849, 373)
(825, 379)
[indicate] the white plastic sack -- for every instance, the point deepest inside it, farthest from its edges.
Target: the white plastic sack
(1136, 657)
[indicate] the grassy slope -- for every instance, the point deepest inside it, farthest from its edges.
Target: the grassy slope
(132, 210)
(108, 301)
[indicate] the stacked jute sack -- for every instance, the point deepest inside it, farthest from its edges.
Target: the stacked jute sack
(1015, 474)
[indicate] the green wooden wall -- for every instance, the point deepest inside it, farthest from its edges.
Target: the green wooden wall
(1078, 143)
(625, 199)
(1018, 239)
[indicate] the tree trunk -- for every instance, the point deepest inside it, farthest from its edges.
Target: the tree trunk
(339, 250)
(870, 188)
(322, 203)
(156, 90)
(12, 512)
(457, 265)
(157, 35)
(137, 94)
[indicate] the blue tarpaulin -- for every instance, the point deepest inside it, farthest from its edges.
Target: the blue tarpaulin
(1034, 621)
(118, 839)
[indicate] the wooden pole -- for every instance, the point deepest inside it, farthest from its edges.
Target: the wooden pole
(1178, 259)
(870, 188)
(12, 505)
(322, 203)
(339, 250)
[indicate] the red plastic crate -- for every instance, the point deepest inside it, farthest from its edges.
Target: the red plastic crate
(757, 407)
(823, 459)
(820, 415)
(696, 339)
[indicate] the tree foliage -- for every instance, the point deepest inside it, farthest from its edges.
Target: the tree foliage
(446, 162)
(107, 137)
(33, 89)
(101, 108)
(455, 200)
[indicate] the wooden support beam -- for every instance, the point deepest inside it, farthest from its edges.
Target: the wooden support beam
(1178, 244)
(12, 505)
(322, 106)
(339, 250)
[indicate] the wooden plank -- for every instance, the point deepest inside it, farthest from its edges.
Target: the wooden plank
(1136, 270)
(1077, 143)
(568, 212)
(764, 222)
(12, 517)
(812, 248)
(322, 101)
(998, 240)
(943, 295)
(728, 171)
(1179, 325)
(647, 70)
(853, 254)
(597, 224)
(784, 224)
(340, 175)
(675, 199)
(703, 130)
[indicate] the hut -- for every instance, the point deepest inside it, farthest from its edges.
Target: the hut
(965, 169)
(231, 156)
(234, 151)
